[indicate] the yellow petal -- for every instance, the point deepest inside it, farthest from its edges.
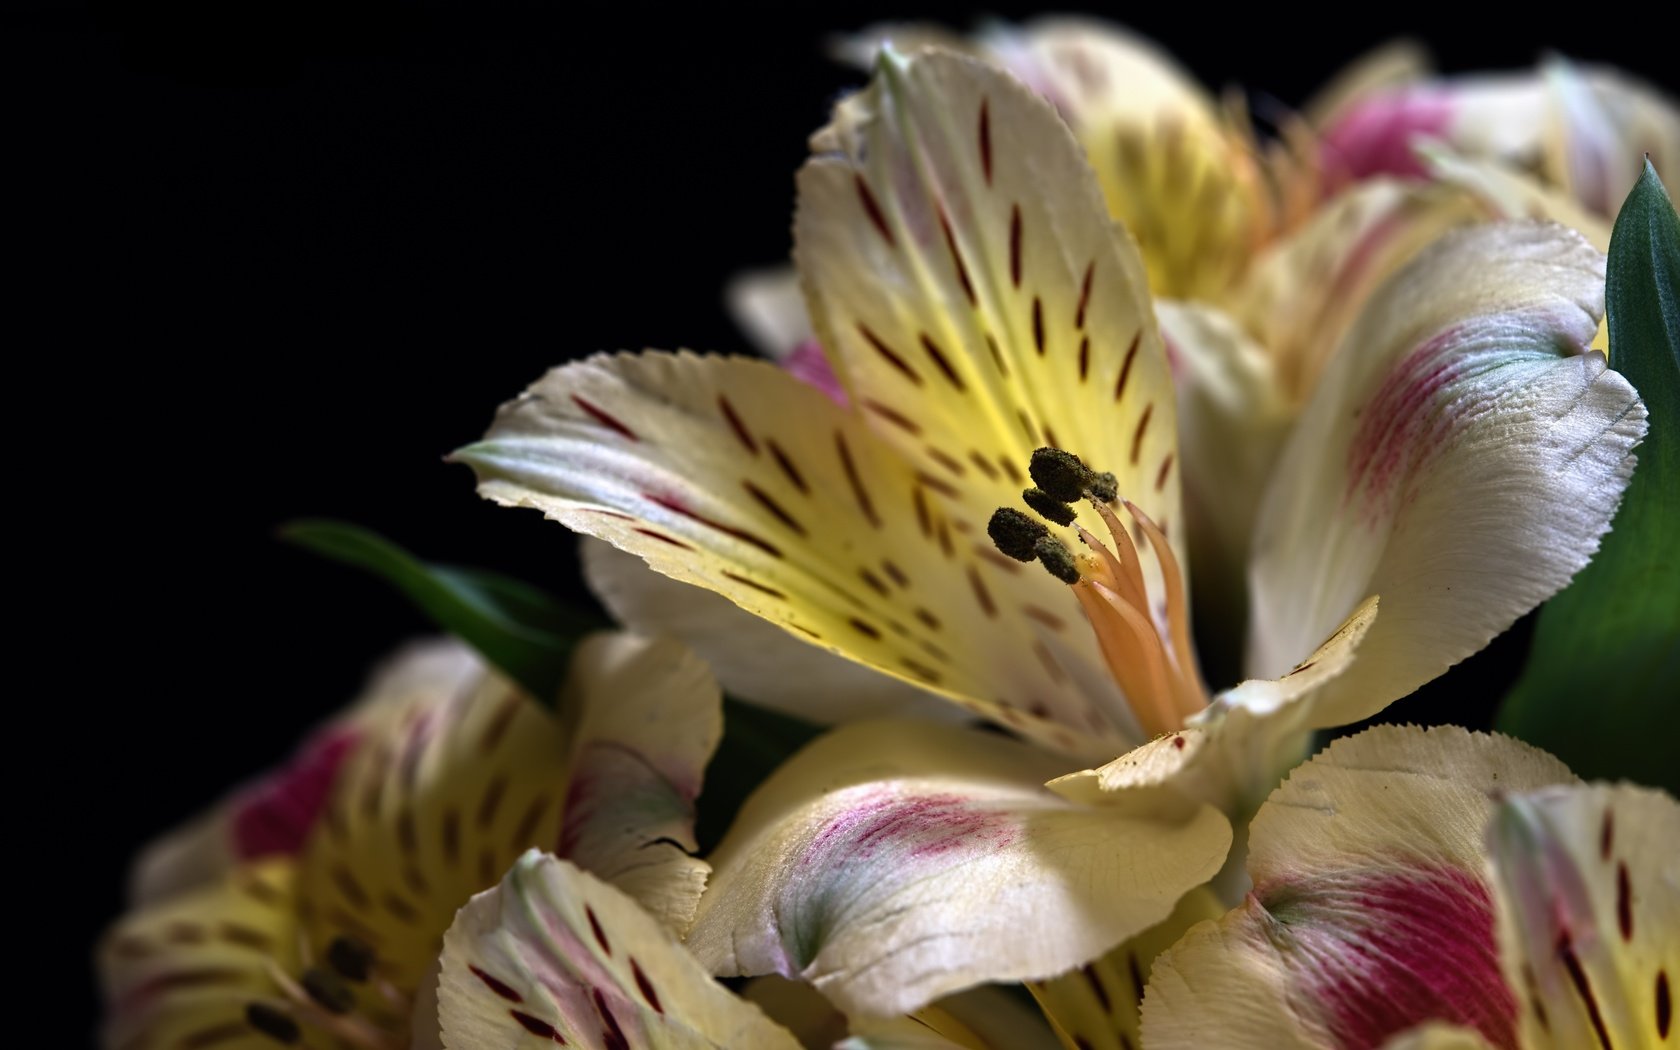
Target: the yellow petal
(893, 863)
(1587, 880)
(190, 970)
(962, 276)
(554, 955)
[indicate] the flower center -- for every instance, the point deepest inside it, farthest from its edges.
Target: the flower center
(1152, 660)
(325, 998)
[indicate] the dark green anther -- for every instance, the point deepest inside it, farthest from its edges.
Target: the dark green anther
(1060, 474)
(350, 958)
(1048, 508)
(276, 1024)
(1055, 556)
(1014, 533)
(329, 990)
(1104, 487)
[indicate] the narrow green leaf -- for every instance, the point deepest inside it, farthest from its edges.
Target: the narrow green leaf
(1599, 690)
(516, 627)
(755, 742)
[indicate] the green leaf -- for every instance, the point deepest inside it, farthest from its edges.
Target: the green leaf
(1599, 690)
(516, 627)
(755, 742)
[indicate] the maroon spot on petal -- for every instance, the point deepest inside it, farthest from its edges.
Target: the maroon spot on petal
(928, 619)
(859, 493)
(1606, 834)
(403, 911)
(946, 460)
(939, 485)
(939, 359)
(654, 534)
(1096, 984)
(865, 628)
(874, 582)
(1084, 357)
(729, 530)
(349, 887)
(982, 464)
(1084, 295)
(894, 573)
(1015, 245)
(956, 259)
(1136, 974)
(1043, 616)
(872, 208)
(761, 588)
(525, 834)
(1137, 435)
(645, 985)
(501, 988)
(1009, 468)
(1126, 366)
(451, 835)
(922, 671)
(923, 521)
(1048, 662)
(776, 510)
(605, 418)
(789, 468)
(997, 355)
(986, 139)
(498, 724)
(1624, 902)
(893, 416)
(1050, 437)
(612, 1036)
(741, 434)
(1583, 987)
(888, 354)
(1038, 325)
(1665, 1005)
(595, 928)
(1161, 475)
(490, 801)
(536, 1026)
(1178, 742)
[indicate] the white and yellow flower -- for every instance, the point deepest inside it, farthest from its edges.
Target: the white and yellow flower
(445, 774)
(1438, 889)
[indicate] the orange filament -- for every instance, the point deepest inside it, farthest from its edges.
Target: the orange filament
(1158, 675)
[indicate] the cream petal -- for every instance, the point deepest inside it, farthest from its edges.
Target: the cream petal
(651, 717)
(1370, 912)
(768, 305)
(893, 863)
(1587, 880)
(1437, 1036)
(753, 659)
(1461, 457)
(554, 955)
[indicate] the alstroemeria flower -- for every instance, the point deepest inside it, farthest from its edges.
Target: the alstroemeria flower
(1437, 889)
(554, 955)
(1460, 457)
(447, 773)
(1582, 130)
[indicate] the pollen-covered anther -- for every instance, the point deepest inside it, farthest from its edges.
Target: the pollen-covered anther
(1059, 474)
(1014, 534)
(328, 990)
(1104, 487)
(274, 1023)
(350, 958)
(1054, 555)
(1048, 507)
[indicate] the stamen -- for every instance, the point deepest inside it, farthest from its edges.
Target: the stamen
(329, 990)
(1014, 533)
(350, 958)
(1059, 474)
(1048, 507)
(1178, 616)
(274, 1023)
(1104, 487)
(1054, 555)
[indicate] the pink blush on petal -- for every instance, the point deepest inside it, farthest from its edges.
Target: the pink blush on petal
(276, 814)
(1380, 954)
(808, 364)
(1376, 137)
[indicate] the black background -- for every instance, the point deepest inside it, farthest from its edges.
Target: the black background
(275, 266)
